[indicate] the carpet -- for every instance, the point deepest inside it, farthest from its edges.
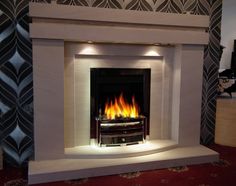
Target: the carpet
(220, 173)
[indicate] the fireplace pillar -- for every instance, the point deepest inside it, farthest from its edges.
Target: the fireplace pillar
(48, 61)
(187, 81)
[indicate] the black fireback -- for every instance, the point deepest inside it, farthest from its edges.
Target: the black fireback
(107, 83)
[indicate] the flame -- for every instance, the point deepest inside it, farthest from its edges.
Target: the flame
(120, 108)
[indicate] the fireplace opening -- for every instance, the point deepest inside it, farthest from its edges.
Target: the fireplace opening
(120, 105)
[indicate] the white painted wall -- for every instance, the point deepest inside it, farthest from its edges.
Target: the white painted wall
(228, 31)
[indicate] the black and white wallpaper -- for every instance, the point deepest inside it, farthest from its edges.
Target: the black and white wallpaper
(16, 83)
(16, 86)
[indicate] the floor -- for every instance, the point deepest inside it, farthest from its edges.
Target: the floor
(225, 120)
(210, 174)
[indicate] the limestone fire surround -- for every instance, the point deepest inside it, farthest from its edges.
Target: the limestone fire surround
(171, 45)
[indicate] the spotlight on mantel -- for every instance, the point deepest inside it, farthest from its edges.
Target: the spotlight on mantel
(152, 53)
(89, 50)
(90, 42)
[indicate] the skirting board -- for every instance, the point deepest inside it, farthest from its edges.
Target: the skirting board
(65, 169)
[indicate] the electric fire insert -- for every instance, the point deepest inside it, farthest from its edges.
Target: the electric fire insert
(121, 131)
(120, 105)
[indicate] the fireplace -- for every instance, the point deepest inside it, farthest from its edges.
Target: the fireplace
(120, 104)
(77, 53)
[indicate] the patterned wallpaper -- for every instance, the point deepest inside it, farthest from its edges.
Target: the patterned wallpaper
(16, 85)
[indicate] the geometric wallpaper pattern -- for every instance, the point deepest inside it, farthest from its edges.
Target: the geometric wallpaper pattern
(210, 73)
(16, 86)
(16, 83)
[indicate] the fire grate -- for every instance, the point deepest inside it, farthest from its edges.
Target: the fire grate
(122, 131)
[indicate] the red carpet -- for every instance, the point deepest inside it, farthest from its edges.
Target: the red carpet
(222, 173)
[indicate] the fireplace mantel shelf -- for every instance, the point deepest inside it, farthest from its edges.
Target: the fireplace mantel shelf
(75, 23)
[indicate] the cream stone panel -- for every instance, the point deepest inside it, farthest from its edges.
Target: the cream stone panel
(48, 59)
(187, 94)
(82, 13)
(69, 102)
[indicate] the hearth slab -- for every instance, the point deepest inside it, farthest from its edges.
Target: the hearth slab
(65, 169)
(93, 151)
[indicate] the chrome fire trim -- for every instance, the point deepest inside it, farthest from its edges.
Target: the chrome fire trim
(120, 124)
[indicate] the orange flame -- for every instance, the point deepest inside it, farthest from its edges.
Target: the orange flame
(120, 108)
